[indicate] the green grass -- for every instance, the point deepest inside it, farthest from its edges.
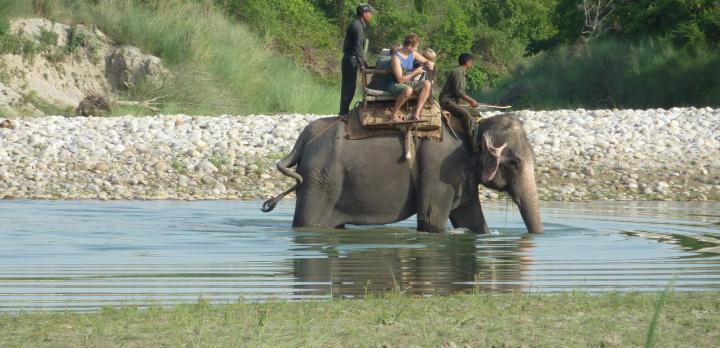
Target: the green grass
(45, 107)
(219, 160)
(219, 65)
(481, 320)
(614, 74)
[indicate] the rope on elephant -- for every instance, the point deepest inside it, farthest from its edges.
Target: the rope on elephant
(408, 143)
(410, 139)
(323, 131)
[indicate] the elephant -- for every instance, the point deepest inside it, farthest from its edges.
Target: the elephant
(370, 182)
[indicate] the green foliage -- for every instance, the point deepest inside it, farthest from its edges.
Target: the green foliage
(538, 44)
(689, 22)
(219, 67)
(77, 39)
(219, 160)
(55, 55)
(48, 38)
(4, 26)
(10, 44)
(295, 27)
(13, 44)
(311, 31)
(43, 7)
(179, 166)
(44, 106)
(12, 8)
(612, 73)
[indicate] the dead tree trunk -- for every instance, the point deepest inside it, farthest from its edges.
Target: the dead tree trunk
(596, 12)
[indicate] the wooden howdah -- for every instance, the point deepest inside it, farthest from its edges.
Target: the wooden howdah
(377, 116)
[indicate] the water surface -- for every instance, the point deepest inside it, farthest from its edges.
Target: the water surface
(81, 255)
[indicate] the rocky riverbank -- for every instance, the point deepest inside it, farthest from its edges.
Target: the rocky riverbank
(581, 155)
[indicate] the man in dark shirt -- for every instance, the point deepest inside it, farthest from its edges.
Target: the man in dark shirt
(453, 93)
(353, 55)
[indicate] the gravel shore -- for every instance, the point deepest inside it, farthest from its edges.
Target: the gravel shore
(581, 155)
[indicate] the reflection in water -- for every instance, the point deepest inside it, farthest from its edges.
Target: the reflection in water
(57, 255)
(700, 243)
(361, 262)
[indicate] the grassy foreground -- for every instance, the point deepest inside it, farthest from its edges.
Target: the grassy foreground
(506, 320)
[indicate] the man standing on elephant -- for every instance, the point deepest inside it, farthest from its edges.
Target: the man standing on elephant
(453, 93)
(353, 55)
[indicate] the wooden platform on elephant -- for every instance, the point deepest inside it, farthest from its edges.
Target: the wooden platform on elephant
(374, 122)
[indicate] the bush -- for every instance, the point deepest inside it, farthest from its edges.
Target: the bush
(77, 39)
(613, 73)
(296, 28)
(10, 44)
(4, 26)
(48, 38)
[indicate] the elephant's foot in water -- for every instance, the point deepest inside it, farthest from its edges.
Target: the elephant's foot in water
(432, 221)
(470, 216)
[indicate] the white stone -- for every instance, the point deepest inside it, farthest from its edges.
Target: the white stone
(206, 166)
(92, 188)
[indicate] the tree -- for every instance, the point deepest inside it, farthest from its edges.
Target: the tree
(596, 12)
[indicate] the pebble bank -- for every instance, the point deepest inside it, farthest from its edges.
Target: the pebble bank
(581, 155)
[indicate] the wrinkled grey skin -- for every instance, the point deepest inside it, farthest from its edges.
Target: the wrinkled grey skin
(369, 182)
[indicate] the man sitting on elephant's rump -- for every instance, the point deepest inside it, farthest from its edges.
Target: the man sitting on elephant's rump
(403, 73)
(453, 93)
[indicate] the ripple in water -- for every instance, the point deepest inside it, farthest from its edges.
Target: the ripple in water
(59, 255)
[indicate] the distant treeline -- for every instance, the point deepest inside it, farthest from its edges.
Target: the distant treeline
(536, 53)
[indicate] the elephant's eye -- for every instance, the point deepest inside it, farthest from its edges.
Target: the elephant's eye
(513, 163)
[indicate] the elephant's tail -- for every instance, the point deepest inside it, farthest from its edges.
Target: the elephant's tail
(272, 202)
(284, 166)
(292, 159)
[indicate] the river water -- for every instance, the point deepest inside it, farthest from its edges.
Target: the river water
(82, 255)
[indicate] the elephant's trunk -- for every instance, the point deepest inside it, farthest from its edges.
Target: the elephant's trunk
(524, 193)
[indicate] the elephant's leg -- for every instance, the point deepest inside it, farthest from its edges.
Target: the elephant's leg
(316, 200)
(470, 216)
(315, 210)
(433, 210)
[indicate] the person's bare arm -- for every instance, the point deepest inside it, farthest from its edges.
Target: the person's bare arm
(470, 101)
(398, 72)
(420, 58)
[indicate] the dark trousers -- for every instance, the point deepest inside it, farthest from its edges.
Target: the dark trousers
(349, 81)
(462, 113)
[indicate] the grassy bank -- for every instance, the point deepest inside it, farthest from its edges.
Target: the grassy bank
(220, 66)
(649, 73)
(506, 320)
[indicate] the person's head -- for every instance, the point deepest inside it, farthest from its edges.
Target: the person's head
(465, 60)
(411, 42)
(364, 12)
(395, 48)
(429, 54)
